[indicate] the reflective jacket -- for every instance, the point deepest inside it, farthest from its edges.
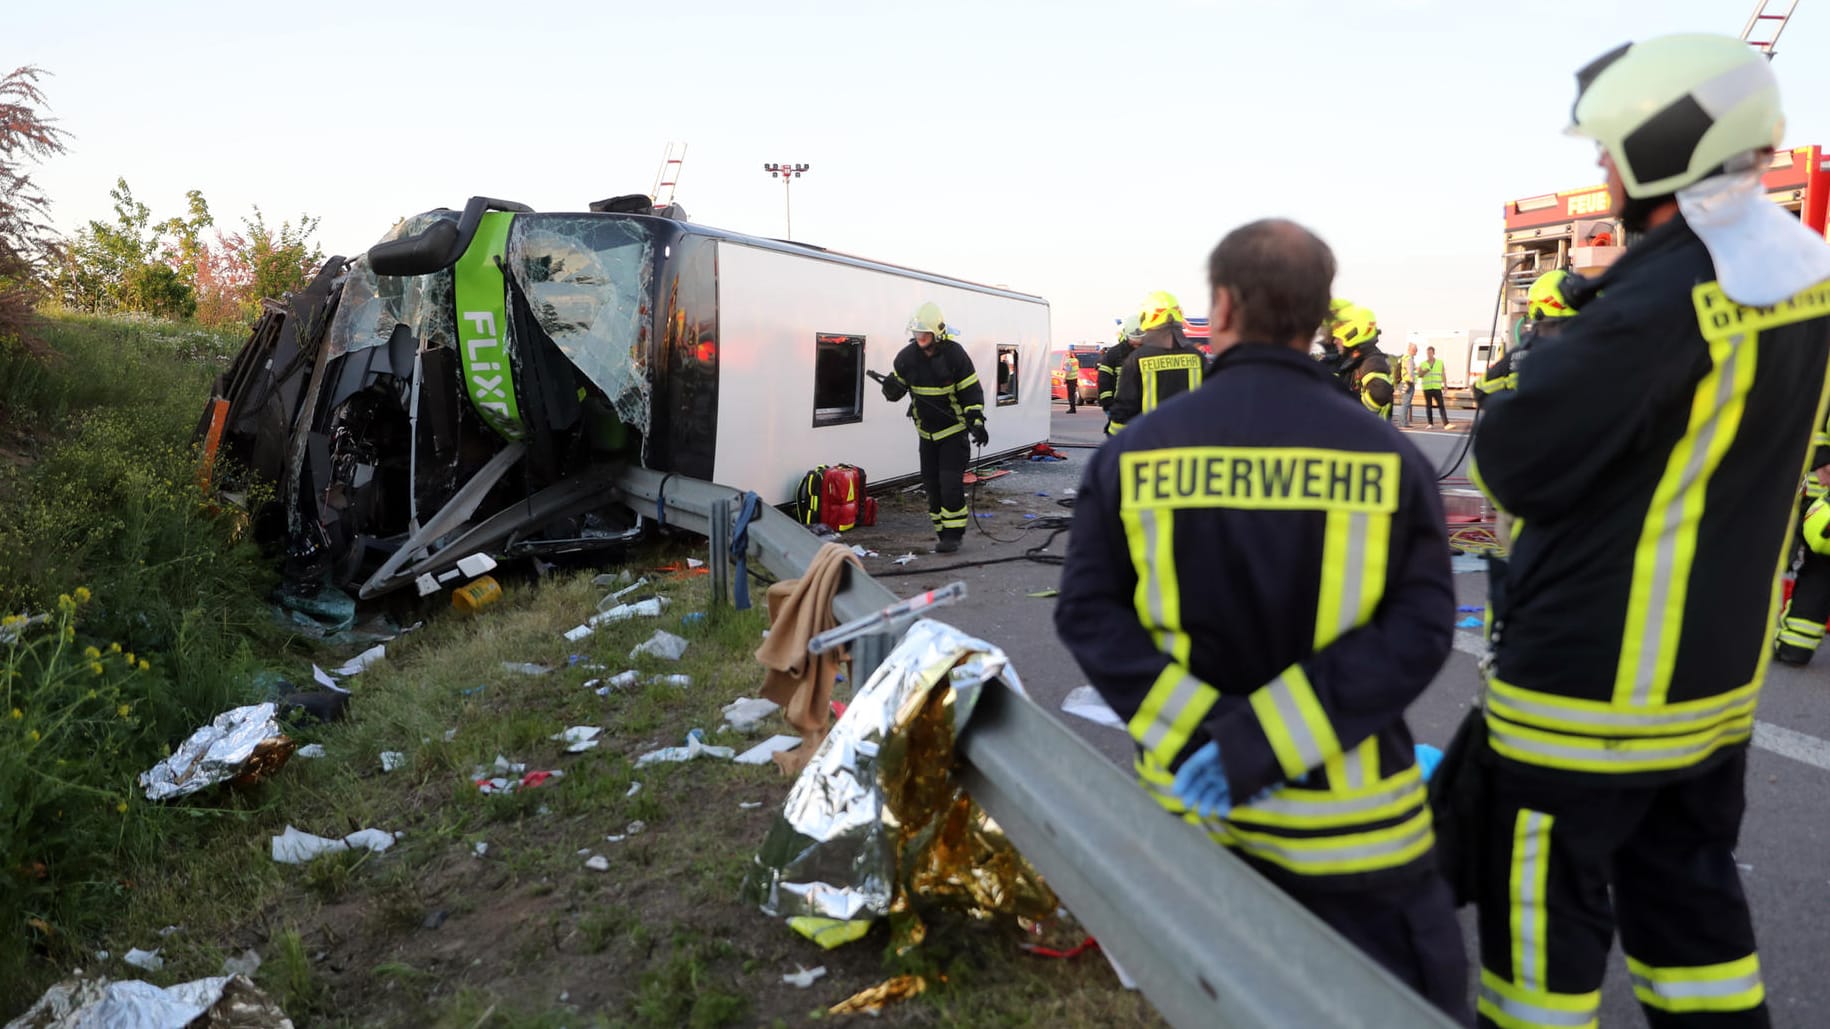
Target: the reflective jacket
(1109, 364)
(1259, 564)
(1429, 374)
(1163, 365)
(946, 395)
(1632, 630)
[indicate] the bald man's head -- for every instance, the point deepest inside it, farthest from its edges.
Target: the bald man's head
(1280, 277)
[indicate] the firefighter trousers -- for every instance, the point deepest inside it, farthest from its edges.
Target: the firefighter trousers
(1801, 625)
(943, 476)
(1554, 852)
(1410, 930)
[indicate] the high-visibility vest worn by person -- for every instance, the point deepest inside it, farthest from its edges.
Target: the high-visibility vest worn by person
(1632, 632)
(1285, 599)
(945, 395)
(1429, 374)
(1163, 365)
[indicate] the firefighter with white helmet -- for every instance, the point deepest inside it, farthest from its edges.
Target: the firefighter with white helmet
(1163, 365)
(1630, 632)
(948, 406)
(1112, 361)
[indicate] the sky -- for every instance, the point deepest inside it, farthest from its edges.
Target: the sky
(1085, 152)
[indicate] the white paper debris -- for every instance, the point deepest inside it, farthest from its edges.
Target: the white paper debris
(452, 575)
(323, 678)
(147, 959)
(310, 750)
(578, 738)
(607, 579)
(450, 734)
(480, 848)
(475, 565)
(663, 644)
(358, 664)
(693, 562)
(248, 964)
(670, 680)
(634, 788)
(804, 977)
(749, 805)
(759, 754)
(426, 584)
(746, 713)
(525, 668)
(167, 931)
(905, 559)
(635, 828)
(1086, 702)
(598, 863)
(578, 632)
(504, 766)
(650, 608)
(695, 747)
(392, 759)
(294, 847)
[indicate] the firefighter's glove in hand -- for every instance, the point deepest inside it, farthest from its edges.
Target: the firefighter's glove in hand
(893, 389)
(978, 433)
(1201, 783)
(1428, 758)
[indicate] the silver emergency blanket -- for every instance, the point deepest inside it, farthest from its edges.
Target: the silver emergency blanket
(243, 743)
(877, 823)
(219, 1002)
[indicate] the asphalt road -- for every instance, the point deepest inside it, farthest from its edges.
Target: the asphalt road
(1785, 847)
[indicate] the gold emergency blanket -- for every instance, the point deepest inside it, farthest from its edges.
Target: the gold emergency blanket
(877, 823)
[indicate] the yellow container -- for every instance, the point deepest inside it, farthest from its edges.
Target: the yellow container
(476, 595)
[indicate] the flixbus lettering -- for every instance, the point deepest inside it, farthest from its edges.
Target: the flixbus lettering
(1265, 478)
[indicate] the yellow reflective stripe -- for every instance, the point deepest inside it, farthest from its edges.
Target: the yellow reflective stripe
(1341, 854)
(1356, 548)
(1668, 541)
(970, 380)
(1730, 986)
(1720, 318)
(1171, 712)
(1354, 769)
(1525, 898)
(931, 391)
(1616, 756)
(1294, 723)
(951, 430)
(1296, 808)
(1150, 535)
(1510, 1006)
(1602, 718)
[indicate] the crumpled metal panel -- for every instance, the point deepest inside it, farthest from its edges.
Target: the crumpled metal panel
(241, 743)
(587, 281)
(219, 1002)
(877, 823)
(371, 305)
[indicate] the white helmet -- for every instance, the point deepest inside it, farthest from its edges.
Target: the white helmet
(1674, 110)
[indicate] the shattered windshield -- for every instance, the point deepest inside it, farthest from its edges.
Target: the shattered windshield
(371, 305)
(586, 278)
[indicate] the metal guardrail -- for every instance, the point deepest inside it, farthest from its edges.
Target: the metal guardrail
(1209, 941)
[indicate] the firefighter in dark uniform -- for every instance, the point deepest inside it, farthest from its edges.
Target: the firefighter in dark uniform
(1363, 367)
(1631, 634)
(1111, 361)
(1801, 624)
(1163, 365)
(948, 406)
(1258, 583)
(1552, 300)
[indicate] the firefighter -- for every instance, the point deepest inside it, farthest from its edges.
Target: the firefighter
(1363, 367)
(948, 406)
(1163, 365)
(1630, 635)
(1257, 581)
(1111, 361)
(1549, 304)
(1801, 624)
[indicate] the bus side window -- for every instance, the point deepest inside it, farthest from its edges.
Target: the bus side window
(1007, 375)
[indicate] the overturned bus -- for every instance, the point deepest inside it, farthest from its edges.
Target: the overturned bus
(474, 382)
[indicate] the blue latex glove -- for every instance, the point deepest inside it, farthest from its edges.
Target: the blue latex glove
(1428, 758)
(1201, 783)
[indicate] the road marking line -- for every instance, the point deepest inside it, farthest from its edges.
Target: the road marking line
(1776, 739)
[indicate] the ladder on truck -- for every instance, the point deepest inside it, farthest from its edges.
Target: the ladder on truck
(669, 175)
(1767, 24)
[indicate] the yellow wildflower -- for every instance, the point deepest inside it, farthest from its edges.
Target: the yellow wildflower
(64, 603)
(114, 648)
(144, 666)
(70, 634)
(92, 654)
(121, 808)
(18, 714)
(96, 667)
(83, 595)
(33, 736)
(124, 710)
(130, 659)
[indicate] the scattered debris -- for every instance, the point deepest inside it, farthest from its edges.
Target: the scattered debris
(476, 595)
(748, 805)
(615, 839)
(504, 782)
(147, 959)
(693, 562)
(248, 964)
(871, 1000)
(361, 662)
(311, 750)
(634, 788)
(598, 863)
(905, 559)
(525, 668)
(619, 681)
(242, 745)
(635, 828)
(1470, 622)
(77, 1003)
(392, 759)
(476, 564)
(746, 713)
(1470, 609)
(616, 597)
(1046, 593)
(579, 738)
(1006, 501)
(650, 608)
(663, 644)
(323, 678)
(1086, 702)
(294, 847)
(608, 579)
(762, 752)
(804, 977)
(692, 618)
(426, 585)
(695, 747)
(480, 848)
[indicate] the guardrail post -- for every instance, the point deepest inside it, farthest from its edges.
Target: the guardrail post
(719, 557)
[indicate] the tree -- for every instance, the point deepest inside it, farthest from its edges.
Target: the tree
(281, 260)
(27, 242)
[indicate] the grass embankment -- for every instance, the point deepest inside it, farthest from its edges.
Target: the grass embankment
(524, 934)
